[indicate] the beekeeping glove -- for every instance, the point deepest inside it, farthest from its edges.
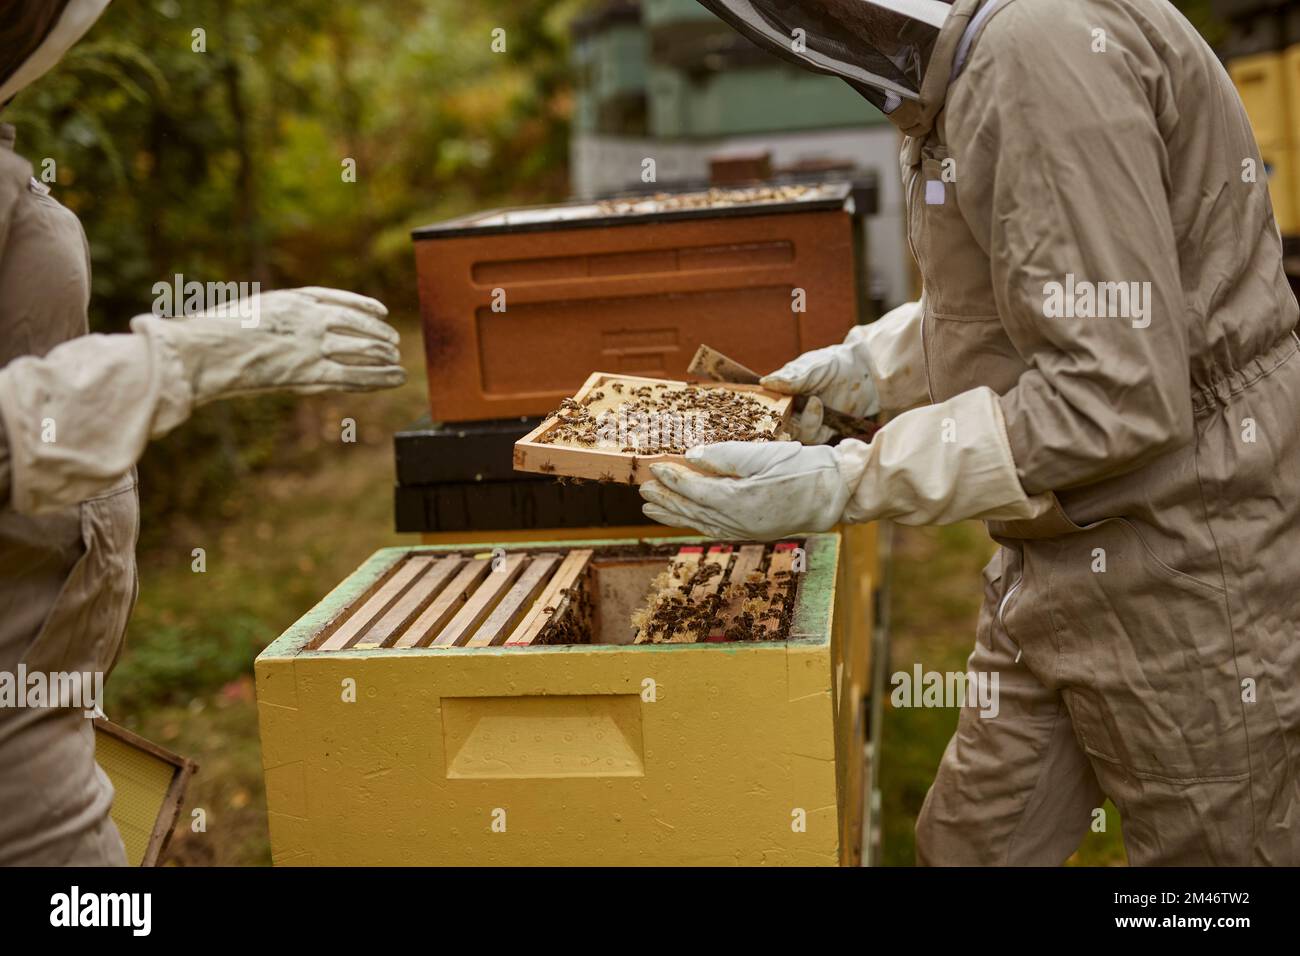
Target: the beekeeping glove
(932, 465)
(878, 367)
(299, 340)
(79, 417)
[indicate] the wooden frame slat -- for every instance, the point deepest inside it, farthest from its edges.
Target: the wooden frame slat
(552, 603)
(706, 592)
(445, 606)
(746, 567)
(780, 573)
(516, 604)
(418, 596)
(680, 570)
(377, 604)
(481, 603)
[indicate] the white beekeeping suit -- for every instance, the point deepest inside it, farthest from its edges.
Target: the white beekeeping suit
(1106, 345)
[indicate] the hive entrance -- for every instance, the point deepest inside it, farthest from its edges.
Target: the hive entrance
(639, 594)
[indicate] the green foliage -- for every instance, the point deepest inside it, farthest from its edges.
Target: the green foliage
(227, 164)
(176, 663)
(1205, 18)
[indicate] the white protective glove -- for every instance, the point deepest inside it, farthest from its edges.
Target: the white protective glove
(933, 465)
(305, 341)
(79, 417)
(878, 367)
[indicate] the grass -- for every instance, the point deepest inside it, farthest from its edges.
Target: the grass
(289, 534)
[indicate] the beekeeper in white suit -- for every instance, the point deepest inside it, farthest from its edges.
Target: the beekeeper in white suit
(1135, 449)
(76, 412)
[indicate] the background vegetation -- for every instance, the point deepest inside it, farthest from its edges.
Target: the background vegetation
(226, 165)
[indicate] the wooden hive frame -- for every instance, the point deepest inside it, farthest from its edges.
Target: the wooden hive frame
(554, 603)
(739, 601)
(538, 596)
(149, 783)
(533, 454)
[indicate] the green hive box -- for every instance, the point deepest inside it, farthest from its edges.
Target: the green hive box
(763, 99)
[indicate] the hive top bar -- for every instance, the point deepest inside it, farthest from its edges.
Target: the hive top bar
(759, 200)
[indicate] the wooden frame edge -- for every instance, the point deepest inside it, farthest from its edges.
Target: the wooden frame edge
(183, 769)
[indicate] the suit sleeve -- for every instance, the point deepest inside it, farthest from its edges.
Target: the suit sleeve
(1062, 176)
(13, 178)
(74, 421)
(895, 358)
(78, 418)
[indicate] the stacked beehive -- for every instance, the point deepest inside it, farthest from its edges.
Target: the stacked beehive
(494, 699)
(519, 306)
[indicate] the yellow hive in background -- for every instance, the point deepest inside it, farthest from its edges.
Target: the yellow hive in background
(1261, 81)
(1267, 83)
(1291, 67)
(748, 753)
(1284, 188)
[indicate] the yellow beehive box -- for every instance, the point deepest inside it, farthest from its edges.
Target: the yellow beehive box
(1284, 188)
(730, 752)
(1261, 81)
(1291, 67)
(1269, 85)
(1291, 63)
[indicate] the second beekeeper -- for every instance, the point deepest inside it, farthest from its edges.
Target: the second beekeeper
(1104, 367)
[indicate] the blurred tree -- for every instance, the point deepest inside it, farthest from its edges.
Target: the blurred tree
(210, 138)
(219, 154)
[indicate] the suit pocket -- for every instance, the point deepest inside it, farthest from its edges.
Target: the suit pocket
(965, 343)
(1147, 664)
(960, 282)
(84, 629)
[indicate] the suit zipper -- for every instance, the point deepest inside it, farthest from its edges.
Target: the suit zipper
(915, 177)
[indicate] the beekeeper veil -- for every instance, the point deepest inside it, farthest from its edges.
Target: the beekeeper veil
(34, 35)
(880, 47)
